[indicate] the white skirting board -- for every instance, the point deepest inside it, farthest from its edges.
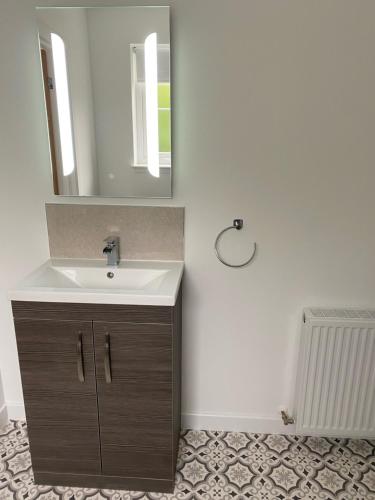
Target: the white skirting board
(15, 410)
(3, 415)
(236, 423)
(205, 421)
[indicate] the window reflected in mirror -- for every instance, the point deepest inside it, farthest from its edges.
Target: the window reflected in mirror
(139, 106)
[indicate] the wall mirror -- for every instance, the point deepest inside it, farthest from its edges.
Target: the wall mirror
(106, 75)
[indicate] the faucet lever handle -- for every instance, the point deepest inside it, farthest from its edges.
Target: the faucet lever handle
(112, 240)
(112, 250)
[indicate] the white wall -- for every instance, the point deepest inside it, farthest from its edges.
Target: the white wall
(24, 172)
(273, 121)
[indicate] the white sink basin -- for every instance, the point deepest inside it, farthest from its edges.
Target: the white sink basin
(133, 282)
(92, 277)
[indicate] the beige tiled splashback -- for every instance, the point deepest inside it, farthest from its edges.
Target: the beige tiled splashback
(146, 233)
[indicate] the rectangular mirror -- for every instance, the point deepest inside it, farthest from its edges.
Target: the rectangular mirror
(106, 74)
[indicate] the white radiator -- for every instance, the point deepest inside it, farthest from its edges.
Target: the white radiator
(336, 373)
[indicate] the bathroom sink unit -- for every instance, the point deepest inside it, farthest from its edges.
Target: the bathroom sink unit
(100, 365)
(92, 281)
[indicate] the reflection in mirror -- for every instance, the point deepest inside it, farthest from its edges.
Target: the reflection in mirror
(106, 74)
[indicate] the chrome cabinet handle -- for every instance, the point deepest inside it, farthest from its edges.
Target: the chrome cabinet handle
(107, 359)
(80, 370)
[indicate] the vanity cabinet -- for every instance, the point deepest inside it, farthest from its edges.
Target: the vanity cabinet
(101, 387)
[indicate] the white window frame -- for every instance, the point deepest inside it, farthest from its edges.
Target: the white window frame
(139, 115)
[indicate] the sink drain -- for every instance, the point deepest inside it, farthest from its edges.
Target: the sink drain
(110, 275)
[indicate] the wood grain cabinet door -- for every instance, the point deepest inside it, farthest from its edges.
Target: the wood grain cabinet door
(134, 383)
(59, 386)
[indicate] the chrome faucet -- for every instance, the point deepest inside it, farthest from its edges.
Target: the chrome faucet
(112, 250)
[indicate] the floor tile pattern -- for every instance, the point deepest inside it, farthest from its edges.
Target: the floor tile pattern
(222, 466)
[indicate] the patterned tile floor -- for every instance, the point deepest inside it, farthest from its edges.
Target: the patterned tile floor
(222, 465)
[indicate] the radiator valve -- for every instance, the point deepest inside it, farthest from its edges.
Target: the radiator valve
(286, 418)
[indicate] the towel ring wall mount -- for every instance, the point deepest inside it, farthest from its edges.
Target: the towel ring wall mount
(237, 224)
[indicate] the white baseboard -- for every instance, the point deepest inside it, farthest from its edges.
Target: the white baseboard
(16, 410)
(3, 415)
(202, 421)
(237, 423)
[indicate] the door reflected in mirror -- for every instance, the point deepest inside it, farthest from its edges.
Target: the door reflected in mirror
(106, 75)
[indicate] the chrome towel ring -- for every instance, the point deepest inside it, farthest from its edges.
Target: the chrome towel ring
(237, 224)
